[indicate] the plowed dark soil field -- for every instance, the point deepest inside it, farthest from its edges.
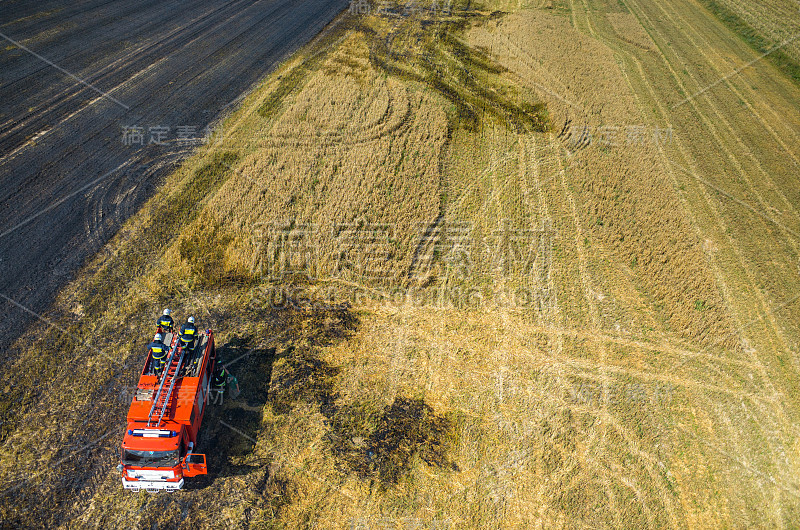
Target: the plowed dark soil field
(74, 77)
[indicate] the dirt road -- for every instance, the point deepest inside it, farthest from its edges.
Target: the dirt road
(98, 100)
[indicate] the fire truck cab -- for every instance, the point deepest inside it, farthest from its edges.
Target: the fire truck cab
(165, 416)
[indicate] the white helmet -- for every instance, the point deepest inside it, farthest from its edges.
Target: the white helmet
(190, 320)
(167, 312)
(158, 337)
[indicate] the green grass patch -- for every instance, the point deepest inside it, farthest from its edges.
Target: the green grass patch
(755, 39)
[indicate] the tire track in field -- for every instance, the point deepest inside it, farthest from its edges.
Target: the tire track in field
(528, 163)
(162, 48)
(666, 498)
(506, 204)
(639, 344)
(678, 25)
(618, 477)
(686, 156)
(778, 408)
(729, 298)
(596, 327)
(721, 228)
(542, 278)
(587, 18)
(754, 362)
(743, 261)
(593, 445)
(762, 121)
(396, 120)
(585, 370)
(540, 71)
(501, 353)
(744, 175)
(583, 270)
(720, 116)
(589, 369)
(727, 80)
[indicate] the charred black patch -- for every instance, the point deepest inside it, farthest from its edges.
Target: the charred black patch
(228, 435)
(373, 441)
(405, 430)
(252, 367)
(328, 324)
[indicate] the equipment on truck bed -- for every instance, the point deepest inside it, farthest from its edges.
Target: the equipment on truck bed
(165, 416)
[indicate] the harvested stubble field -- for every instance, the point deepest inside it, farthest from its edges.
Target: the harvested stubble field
(491, 268)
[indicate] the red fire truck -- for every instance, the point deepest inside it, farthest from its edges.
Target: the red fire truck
(165, 417)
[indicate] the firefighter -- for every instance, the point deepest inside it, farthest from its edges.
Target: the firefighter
(165, 321)
(188, 334)
(158, 352)
(218, 383)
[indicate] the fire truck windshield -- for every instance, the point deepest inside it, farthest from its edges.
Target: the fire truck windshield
(150, 458)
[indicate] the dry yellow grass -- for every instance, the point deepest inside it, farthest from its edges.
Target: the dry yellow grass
(451, 311)
(628, 29)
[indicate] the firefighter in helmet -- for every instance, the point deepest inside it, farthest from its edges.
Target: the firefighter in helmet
(158, 352)
(165, 321)
(218, 383)
(188, 334)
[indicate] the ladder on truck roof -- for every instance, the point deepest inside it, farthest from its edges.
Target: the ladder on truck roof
(161, 401)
